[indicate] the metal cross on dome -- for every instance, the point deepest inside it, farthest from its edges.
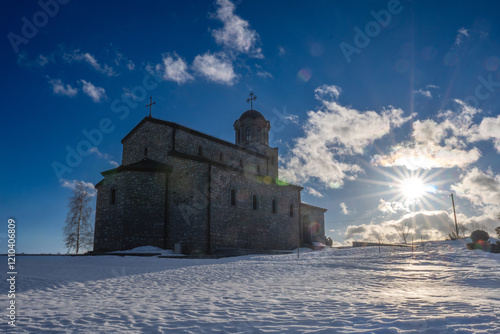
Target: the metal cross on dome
(252, 98)
(150, 104)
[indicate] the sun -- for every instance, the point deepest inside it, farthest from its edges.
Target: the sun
(412, 188)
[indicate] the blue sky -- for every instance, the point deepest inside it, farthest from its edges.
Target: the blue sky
(362, 96)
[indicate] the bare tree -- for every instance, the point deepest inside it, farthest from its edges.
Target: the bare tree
(403, 230)
(476, 226)
(78, 232)
(462, 229)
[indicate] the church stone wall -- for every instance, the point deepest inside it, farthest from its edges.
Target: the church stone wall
(313, 222)
(137, 218)
(241, 225)
(190, 143)
(108, 231)
(188, 205)
(157, 138)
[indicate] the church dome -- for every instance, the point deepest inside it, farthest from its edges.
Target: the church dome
(253, 114)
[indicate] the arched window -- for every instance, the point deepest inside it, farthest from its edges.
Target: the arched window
(113, 196)
(258, 134)
(232, 196)
(248, 134)
(146, 152)
(291, 209)
(274, 206)
(221, 156)
(255, 204)
(200, 150)
(241, 163)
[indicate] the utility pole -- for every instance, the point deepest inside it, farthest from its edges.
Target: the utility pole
(454, 214)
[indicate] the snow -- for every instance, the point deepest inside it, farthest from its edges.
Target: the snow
(148, 250)
(444, 288)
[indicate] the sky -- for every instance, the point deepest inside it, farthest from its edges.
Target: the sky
(380, 109)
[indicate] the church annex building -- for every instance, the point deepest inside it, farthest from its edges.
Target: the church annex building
(180, 188)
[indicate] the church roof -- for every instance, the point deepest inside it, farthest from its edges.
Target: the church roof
(253, 114)
(313, 207)
(194, 132)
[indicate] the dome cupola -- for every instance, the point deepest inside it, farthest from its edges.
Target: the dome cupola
(252, 128)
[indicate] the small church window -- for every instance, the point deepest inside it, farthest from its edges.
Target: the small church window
(291, 209)
(113, 196)
(241, 163)
(248, 134)
(233, 197)
(146, 152)
(255, 204)
(221, 156)
(258, 134)
(200, 150)
(274, 206)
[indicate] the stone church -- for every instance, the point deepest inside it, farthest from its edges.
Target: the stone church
(178, 188)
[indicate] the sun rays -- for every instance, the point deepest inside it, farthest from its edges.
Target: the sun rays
(410, 190)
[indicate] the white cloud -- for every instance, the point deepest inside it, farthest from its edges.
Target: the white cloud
(462, 33)
(327, 92)
(59, 88)
(262, 73)
(72, 185)
(427, 155)
(235, 34)
(215, 67)
(334, 131)
(174, 68)
(95, 93)
(130, 65)
(428, 225)
(282, 118)
(489, 128)
(313, 192)
(393, 207)
(291, 118)
(120, 59)
(281, 51)
(344, 208)
(426, 93)
(481, 188)
(434, 144)
(42, 60)
(104, 156)
(76, 55)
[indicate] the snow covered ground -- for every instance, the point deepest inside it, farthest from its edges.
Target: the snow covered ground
(444, 289)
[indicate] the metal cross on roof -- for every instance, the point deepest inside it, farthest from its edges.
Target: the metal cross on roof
(150, 104)
(252, 98)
